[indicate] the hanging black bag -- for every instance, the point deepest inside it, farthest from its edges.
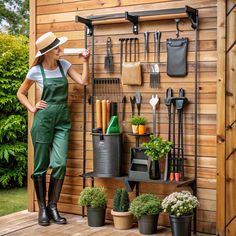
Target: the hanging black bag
(177, 57)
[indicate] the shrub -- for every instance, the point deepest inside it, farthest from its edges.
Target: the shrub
(145, 204)
(180, 203)
(13, 116)
(93, 197)
(121, 201)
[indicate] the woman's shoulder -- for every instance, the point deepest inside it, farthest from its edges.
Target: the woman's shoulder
(33, 72)
(65, 65)
(64, 62)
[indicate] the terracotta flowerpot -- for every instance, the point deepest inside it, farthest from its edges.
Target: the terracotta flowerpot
(122, 220)
(141, 129)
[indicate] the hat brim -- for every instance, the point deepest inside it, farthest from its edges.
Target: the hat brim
(61, 41)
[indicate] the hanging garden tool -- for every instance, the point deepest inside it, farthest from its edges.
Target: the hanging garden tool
(180, 103)
(154, 69)
(131, 70)
(108, 61)
(121, 52)
(132, 101)
(169, 161)
(154, 101)
(138, 99)
(123, 108)
(177, 54)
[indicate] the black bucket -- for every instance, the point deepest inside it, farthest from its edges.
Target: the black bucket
(148, 224)
(96, 216)
(107, 154)
(181, 225)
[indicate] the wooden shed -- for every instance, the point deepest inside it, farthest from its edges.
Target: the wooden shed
(210, 159)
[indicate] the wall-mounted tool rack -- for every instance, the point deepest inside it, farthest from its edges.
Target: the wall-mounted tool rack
(136, 17)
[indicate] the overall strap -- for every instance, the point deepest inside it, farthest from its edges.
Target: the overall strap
(61, 69)
(42, 71)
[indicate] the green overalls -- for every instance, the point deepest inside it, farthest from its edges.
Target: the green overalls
(50, 129)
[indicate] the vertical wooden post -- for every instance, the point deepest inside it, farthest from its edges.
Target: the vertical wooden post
(221, 50)
(31, 97)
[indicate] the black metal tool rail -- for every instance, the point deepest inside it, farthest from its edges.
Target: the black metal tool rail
(135, 17)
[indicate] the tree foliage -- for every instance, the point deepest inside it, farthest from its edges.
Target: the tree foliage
(13, 116)
(14, 16)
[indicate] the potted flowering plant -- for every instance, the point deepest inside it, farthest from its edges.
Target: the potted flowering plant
(180, 206)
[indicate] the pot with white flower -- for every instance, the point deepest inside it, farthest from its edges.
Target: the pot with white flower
(156, 149)
(180, 206)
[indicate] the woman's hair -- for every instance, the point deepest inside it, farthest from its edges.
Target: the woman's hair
(38, 61)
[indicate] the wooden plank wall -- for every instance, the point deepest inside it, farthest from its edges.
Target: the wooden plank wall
(58, 16)
(230, 178)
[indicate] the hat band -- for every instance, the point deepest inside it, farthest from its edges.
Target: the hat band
(54, 43)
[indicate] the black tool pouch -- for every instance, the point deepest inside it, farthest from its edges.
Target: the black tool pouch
(177, 57)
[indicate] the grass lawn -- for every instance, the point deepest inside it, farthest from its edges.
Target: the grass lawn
(12, 200)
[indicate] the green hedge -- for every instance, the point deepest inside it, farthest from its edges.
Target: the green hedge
(13, 116)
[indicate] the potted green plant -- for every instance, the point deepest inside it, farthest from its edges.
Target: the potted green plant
(94, 198)
(122, 217)
(156, 149)
(180, 206)
(138, 124)
(146, 207)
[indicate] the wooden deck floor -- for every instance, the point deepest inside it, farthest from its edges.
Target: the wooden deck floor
(24, 223)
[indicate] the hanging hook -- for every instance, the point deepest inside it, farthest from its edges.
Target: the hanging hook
(177, 21)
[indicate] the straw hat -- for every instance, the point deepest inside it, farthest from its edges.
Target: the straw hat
(47, 42)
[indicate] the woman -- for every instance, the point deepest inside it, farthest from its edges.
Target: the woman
(50, 129)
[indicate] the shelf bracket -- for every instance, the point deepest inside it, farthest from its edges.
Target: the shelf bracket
(134, 20)
(129, 185)
(193, 16)
(87, 22)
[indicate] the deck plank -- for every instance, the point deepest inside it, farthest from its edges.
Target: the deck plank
(25, 223)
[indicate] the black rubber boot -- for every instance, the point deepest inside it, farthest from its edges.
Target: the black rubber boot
(40, 189)
(53, 197)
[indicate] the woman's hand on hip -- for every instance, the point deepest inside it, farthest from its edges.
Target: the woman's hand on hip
(40, 106)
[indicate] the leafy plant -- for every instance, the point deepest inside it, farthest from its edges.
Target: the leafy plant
(14, 16)
(180, 203)
(145, 204)
(138, 120)
(121, 201)
(157, 147)
(13, 116)
(93, 197)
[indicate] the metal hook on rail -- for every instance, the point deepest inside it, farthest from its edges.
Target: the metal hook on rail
(177, 21)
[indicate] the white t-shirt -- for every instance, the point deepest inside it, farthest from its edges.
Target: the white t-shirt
(35, 74)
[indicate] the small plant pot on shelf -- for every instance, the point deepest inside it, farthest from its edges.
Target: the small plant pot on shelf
(141, 129)
(154, 170)
(122, 220)
(135, 129)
